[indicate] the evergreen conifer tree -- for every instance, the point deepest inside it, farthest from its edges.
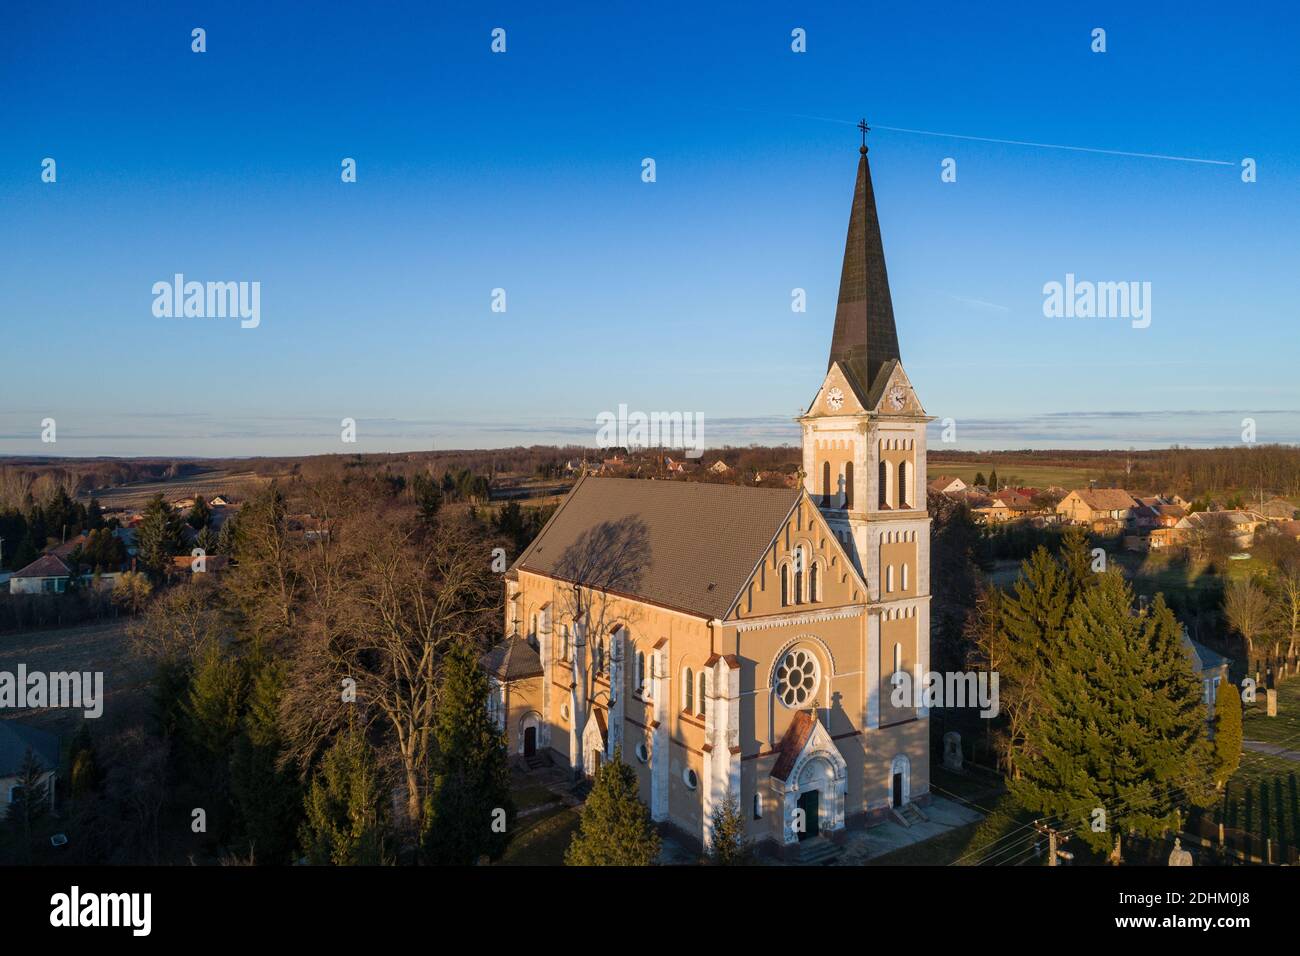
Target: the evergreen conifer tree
(346, 808)
(158, 537)
(468, 812)
(728, 845)
(266, 795)
(1121, 726)
(1227, 732)
(615, 829)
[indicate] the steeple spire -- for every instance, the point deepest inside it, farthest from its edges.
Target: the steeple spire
(865, 337)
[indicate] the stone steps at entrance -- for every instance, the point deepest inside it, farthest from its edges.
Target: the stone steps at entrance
(537, 761)
(818, 851)
(909, 814)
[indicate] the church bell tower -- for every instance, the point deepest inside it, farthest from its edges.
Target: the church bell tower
(864, 447)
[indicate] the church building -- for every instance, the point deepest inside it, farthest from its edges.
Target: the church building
(741, 640)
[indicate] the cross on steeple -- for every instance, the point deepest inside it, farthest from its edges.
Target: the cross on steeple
(862, 125)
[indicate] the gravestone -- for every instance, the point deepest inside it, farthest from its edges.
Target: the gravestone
(952, 750)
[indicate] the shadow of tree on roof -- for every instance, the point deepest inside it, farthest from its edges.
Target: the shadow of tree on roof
(610, 556)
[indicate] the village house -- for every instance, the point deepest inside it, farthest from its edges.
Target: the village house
(1240, 526)
(1277, 509)
(740, 640)
(1100, 509)
(48, 574)
(946, 485)
(1004, 506)
(1212, 669)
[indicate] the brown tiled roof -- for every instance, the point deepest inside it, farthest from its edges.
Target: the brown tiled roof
(682, 545)
(792, 744)
(46, 566)
(512, 659)
(1106, 499)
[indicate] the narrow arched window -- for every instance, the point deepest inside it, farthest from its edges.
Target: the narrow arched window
(902, 484)
(702, 703)
(798, 576)
(889, 579)
(640, 671)
(785, 585)
(904, 577)
(813, 596)
(688, 691)
(898, 658)
(883, 485)
(848, 485)
(826, 484)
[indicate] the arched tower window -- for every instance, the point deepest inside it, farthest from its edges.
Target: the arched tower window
(848, 486)
(813, 596)
(785, 585)
(898, 658)
(902, 485)
(889, 579)
(883, 485)
(798, 575)
(904, 577)
(640, 671)
(702, 703)
(688, 691)
(826, 484)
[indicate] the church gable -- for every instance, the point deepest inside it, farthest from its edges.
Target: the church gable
(805, 568)
(837, 396)
(892, 393)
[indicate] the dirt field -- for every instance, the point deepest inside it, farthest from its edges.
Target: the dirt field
(94, 647)
(241, 484)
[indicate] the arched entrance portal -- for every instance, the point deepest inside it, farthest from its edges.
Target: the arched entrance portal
(816, 795)
(529, 727)
(900, 781)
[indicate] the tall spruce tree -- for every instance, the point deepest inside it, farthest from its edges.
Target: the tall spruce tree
(1030, 623)
(1227, 733)
(200, 514)
(29, 804)
(468, 812)
(1076, 558)
(615, 829)
(158, 537)
(266, 794)
(1121, 725)
(346, 808)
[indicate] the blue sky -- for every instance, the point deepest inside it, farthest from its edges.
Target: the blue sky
(522, 171)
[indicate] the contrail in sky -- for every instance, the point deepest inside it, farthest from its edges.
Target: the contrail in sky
(1006, 142)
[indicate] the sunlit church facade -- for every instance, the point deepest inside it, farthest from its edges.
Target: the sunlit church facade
(737, 640)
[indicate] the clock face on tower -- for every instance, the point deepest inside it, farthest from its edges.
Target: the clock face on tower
(835, 399)
(897, 397)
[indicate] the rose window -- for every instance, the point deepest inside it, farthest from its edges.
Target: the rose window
(796, 678)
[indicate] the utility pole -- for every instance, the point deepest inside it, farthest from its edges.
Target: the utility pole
(1052, 852)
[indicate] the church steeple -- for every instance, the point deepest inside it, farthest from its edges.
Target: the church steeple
(865, 337)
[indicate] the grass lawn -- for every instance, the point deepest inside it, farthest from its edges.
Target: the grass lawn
(1283, 729)
(542, 838)
(1032, 475)
(1263, 798)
